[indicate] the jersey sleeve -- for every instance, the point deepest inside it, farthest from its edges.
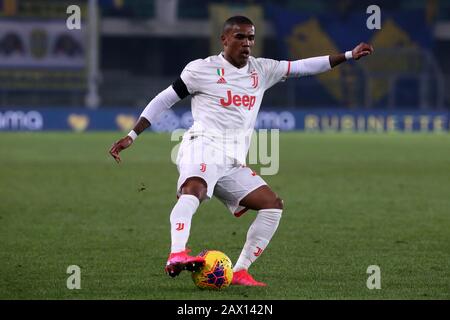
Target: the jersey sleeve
(274, 71)
(190, 76)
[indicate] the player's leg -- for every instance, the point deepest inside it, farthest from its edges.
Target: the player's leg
(192, 190)
(244, 189)
(198, 176)
(270, 208)
(262, 198)
(192, 193)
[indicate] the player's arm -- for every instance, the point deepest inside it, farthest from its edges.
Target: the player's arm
(321, 64)
(163, 101)
(361, 50)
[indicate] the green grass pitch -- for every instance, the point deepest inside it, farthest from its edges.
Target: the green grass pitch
(351, 200)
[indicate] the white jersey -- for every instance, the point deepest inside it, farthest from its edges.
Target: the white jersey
(226, 99)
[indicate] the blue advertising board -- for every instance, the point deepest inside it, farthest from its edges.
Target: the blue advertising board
(320, 120)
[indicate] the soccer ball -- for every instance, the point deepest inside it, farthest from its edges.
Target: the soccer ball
(216, 274)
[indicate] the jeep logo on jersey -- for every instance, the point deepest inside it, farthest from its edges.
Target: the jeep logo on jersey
(237, 100)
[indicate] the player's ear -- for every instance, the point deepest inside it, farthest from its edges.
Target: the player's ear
(223, 38)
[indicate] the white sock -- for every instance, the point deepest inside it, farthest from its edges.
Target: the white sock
(180, 221)
(258, 237)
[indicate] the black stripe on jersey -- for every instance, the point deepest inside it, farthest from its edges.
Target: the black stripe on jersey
(180, 88)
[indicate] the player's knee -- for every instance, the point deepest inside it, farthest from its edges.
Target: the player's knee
(273, 203)
(196, 187)
(279, 204)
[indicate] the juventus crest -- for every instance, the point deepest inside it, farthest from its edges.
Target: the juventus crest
(254, 77)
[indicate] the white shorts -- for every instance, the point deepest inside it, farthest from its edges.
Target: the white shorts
(228, 181)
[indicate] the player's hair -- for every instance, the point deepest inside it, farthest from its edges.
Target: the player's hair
(235, 20)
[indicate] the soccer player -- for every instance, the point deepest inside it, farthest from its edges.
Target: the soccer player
(226, 90)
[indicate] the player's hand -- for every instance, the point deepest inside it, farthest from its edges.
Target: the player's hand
(118, 146)
(361, 50)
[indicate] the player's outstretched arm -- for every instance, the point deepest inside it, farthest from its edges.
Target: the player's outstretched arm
(361, 50)
(126, 141)
(316, 65)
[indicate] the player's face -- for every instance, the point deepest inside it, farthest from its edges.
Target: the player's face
(238, 43)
